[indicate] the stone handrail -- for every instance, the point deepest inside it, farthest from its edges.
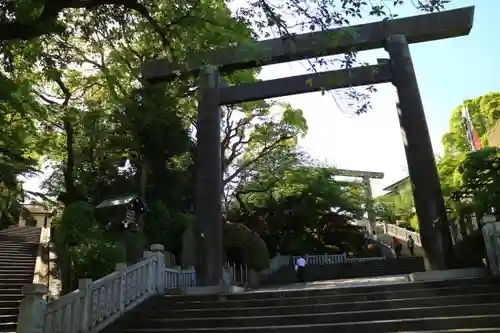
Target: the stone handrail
(96, 304)
(177, 277)
(322, 259)
(315, 259)
(402, 233)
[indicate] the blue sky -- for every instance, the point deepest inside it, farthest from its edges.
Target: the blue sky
(448, 71)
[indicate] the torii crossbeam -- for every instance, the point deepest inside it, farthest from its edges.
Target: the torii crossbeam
(365, 176)
(394, 36)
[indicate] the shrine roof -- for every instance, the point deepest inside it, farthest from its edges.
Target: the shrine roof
(120, 201)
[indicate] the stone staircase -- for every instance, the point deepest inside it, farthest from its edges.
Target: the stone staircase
(466, 305)
(390, 266)
(387, 240)
(18, 248)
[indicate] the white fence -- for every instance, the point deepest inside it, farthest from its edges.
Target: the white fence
(96, 304)
(316, 259)
(322, 259)
(401, 233)
(177, 277)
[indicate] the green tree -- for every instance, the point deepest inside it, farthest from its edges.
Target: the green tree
(385, 208)
(71, 96)
(481, 178)
(484, 112)
(289, 203)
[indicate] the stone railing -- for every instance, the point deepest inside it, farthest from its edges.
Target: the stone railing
(322, 259)
(401, 233)
(491, 236)
(315, 259)
(353, 260)
(177, 277)
(96, 304)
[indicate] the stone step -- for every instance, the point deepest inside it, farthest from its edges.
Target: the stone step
(15, 275)
(24, 258)
(15, 245)
(19, 260)
(21, 233)
(11, 291)
(7, 318)
(9, 310)
(16, 269)
(12, 248)
(27, 235)
(10, 297)
(14, 284)
(349, 294)
(326, 299)
(445, 324)
(374, 315)
(465, 305)
(8, 327)
(5, 252)
(10, 303)
(491, 329)
(155, 312)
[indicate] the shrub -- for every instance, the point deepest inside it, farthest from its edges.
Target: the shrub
(254, 249)
(84, 249)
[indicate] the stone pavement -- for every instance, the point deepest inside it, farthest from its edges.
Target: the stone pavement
(346, 283)
(386, 239)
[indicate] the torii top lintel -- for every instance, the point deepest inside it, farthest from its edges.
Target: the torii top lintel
(358, 173)
(420, 28)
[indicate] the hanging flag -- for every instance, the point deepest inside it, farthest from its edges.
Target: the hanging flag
(471, 132)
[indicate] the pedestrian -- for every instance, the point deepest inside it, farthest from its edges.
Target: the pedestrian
(410, 243)
(300, 268)
(374, 236)
(396, 245)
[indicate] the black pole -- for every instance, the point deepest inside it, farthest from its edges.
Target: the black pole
(208, 176)
(429, 203)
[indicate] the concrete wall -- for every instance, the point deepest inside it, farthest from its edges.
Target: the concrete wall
(39, 218)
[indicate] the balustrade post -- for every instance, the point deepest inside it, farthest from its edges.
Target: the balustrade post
(85, 288)
(149, 272)
(192, 283)
(159, 275)
(31, 313)
(122, 285)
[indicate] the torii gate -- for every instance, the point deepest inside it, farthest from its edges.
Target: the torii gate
(392, 35)
(365, 176)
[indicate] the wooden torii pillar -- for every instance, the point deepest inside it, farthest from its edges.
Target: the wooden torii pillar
(394, 36)
(366, 176)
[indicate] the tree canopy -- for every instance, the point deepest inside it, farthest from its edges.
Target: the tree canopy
(484, 112)
(72, 100)
(467, 178)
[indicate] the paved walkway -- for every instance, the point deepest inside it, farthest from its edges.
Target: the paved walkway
(386, 250)
(346, 283)
(386, 239)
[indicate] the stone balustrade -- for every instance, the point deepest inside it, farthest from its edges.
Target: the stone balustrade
(402, 233)
(96, 304)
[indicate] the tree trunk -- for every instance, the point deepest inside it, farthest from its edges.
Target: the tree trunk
(69, 181)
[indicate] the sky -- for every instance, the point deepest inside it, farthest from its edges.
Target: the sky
(448, 71)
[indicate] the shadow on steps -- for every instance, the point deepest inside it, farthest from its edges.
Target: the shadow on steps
(390, 266)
